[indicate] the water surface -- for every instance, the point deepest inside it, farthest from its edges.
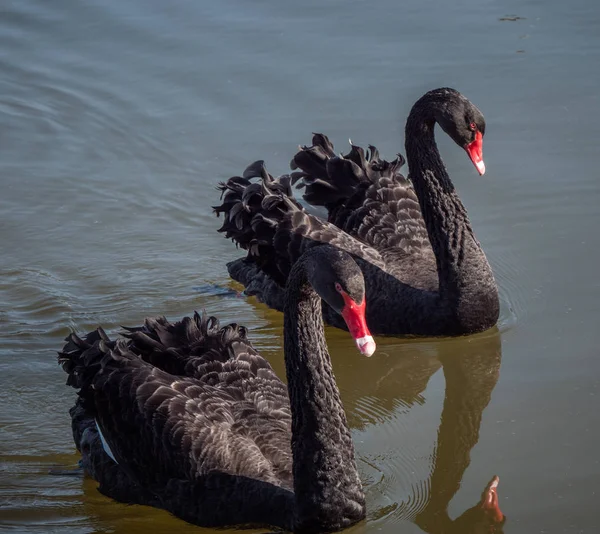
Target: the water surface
(117, 119)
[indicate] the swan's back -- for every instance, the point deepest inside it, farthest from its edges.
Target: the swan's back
(177, 402)
(365, 196)
(263, 218)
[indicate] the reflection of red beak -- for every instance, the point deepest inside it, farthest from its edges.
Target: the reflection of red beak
(354, 315)
(489, 501)
(475, 151)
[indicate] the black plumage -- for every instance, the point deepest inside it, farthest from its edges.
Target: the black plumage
(425, 272)
(197, 422)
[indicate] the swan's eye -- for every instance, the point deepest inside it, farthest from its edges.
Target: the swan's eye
(338, 287)
(473, 126)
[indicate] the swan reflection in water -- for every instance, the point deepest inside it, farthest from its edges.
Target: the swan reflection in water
(470, 379)
(471, 368)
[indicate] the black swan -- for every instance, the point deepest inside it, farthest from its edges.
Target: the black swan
(425, 272)
(190, 418)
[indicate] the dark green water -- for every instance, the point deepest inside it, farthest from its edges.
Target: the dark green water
(118, 118)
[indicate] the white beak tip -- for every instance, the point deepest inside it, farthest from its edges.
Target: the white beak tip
(480, 167)
(366, 345)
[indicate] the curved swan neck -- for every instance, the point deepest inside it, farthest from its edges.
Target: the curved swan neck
(327, 488)
(465, 276)
(445, 216)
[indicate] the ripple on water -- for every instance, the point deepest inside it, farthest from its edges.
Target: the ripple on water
(398, 481)
(40, 306)
(511, 289)
(395, 451)
(30, 498)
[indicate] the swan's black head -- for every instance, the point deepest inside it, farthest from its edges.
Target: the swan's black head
(462, 121)
(338, 280)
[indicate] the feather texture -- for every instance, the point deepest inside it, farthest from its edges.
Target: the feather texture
(365, 196)
(192, 386)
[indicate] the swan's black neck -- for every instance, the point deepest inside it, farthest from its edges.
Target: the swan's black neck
(467, 288)
(327, 488)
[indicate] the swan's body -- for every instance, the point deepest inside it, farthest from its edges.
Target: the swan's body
(425, 271)
(195, 421)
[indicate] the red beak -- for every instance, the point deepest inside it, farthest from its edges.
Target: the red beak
(354, 315)
(475, 151)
